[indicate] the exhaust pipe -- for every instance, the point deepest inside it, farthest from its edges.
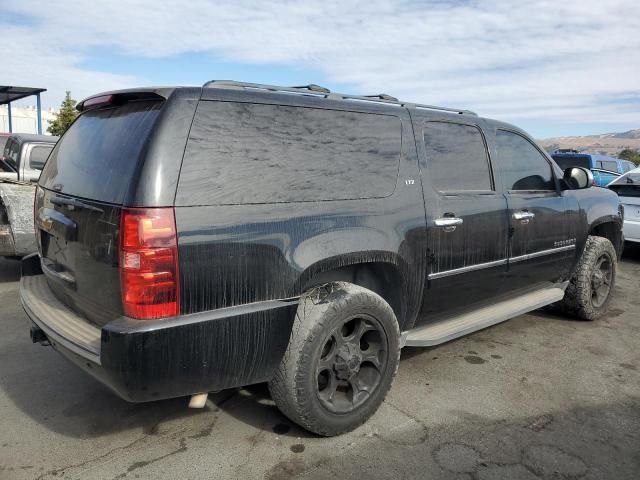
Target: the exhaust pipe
(38, 336)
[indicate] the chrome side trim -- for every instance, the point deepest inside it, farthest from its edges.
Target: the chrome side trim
(541, 253)
(496, 263)
(470, 268)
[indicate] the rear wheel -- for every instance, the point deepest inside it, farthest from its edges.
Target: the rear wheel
(342, 356)
(591, 286)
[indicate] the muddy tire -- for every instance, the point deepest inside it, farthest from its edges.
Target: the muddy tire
(591, 286)
(342, 357)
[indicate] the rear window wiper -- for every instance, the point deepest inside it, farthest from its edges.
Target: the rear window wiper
(73, 203)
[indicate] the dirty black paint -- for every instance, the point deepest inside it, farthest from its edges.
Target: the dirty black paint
(243, 266)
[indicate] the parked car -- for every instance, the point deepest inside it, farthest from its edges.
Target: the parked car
(240, 233)
(604, 168)
(627, 187)
(22, 161)
(26, 154)
(602, 178)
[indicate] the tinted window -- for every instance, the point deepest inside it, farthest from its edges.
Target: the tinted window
(11, 153)
(627, 185)
(456, 157)
(249, 153)
(98, 155)
(568, 161)
(522, 166)
(39, 156)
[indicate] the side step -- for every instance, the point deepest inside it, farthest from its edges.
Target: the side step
(466, 323)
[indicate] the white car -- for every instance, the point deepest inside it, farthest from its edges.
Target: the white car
(627, 187)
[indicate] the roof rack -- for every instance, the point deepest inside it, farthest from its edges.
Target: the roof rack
(318, 91)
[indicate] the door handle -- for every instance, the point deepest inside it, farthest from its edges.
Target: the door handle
(448, 224)
(524, 216)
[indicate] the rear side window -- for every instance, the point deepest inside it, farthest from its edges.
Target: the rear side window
(11, 153)
(97, 157)
(456, 157)
(38, 157)
(522, 166)
(241, 153)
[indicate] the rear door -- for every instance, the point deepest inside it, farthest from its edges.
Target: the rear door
(78, 204)
(541, 244)
(466, 220)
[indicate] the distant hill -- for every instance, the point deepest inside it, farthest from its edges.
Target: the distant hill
(605, 143)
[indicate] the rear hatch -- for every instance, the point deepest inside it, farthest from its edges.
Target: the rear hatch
(79, 201)
(628, 189)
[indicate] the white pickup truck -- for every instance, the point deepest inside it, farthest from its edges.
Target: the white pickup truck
(22, 161)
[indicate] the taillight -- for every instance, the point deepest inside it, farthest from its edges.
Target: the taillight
(149, 263)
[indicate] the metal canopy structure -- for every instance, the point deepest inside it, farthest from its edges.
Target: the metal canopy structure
(10, 94)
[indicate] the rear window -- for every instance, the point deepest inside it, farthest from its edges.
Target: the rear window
(97, 157)
(627, 185)
(568, 161)
(241, 153)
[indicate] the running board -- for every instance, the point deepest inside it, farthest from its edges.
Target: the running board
(466, 323)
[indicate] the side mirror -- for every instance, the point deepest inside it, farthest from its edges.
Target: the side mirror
(578, 177)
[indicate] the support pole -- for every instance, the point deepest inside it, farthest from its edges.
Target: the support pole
(9, 113)
(39, 109)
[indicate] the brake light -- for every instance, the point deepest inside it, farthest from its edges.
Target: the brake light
(96, 102)
(149, 274)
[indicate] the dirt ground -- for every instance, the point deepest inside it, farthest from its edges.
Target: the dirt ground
(540, 396)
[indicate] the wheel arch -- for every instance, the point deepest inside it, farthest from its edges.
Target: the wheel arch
(610, 229)
(381, 272)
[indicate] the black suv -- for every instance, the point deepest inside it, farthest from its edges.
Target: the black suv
(197, 239)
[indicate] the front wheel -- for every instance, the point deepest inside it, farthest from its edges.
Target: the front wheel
(342, 356)
(591, 286)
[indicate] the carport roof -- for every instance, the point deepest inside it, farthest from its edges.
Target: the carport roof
(10, 94)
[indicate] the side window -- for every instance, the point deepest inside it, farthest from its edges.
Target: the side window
(12, 153)
(522, 166)
(611, 166)
(240, 153)
(38, 157)
(456, 157)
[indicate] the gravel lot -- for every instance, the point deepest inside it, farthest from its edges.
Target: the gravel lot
(540, 396)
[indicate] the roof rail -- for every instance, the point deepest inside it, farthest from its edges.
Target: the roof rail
(318, 91)
(383, 96)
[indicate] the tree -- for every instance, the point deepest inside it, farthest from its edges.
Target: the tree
(631, 155)
(65, 117)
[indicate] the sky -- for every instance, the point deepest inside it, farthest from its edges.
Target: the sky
(554, 68)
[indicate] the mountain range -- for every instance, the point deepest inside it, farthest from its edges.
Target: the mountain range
(604, 143)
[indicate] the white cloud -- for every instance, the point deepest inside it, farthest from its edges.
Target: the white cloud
(540, 60)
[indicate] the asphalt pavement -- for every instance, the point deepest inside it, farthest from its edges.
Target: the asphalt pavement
(540, 396)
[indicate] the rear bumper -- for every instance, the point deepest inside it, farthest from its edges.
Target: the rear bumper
(178, 356)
